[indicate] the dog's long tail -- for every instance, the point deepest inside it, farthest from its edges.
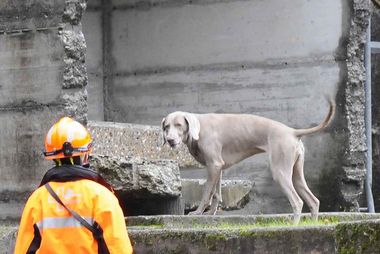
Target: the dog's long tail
(326, 121)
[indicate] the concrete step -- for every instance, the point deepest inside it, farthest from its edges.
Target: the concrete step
(255, 234)
(235, 193)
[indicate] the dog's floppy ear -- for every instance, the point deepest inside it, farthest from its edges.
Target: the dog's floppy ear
(163, 131)
(194, 125)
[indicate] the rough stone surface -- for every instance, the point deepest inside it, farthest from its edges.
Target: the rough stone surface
(143, 187)
(140, 178)
(353, 173)
(74, 11)
(75, 72)
(235, 193)
(75, 105)
(136, 141)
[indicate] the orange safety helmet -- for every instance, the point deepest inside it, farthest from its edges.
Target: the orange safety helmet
(67, 138)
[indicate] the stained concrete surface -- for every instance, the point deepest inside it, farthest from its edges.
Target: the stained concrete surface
(272, 58)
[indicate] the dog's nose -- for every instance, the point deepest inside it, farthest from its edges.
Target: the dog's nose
(171, 142)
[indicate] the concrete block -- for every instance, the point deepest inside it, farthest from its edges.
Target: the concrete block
(235, 193)
(136, 141)
(139, 178)
(143, 187)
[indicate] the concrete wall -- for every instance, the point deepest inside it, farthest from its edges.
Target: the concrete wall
(224, 56)
(42, 78)
(93, 30)
(275, 58)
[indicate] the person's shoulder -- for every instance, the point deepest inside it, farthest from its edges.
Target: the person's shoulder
(100, 194)
(96, 187)
(37, 192)
(35, 197)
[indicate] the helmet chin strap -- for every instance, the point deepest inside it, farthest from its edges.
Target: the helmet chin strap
(68, 161)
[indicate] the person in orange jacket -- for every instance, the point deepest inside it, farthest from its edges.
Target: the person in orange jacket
(74, 210)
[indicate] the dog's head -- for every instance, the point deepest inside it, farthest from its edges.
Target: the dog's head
(178, 127)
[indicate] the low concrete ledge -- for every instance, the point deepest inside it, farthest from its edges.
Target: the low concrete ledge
(191, 221)
(235, 193)
(136, 141)
(341, 233)
(335, 233)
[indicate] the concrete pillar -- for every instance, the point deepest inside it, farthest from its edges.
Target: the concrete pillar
(43, 77)
(353, 168)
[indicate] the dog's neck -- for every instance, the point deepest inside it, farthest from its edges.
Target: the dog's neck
(193, 147)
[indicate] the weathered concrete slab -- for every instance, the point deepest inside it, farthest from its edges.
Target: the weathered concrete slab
(143, 187)
(136, 141)
(138, 177)
(235, 193)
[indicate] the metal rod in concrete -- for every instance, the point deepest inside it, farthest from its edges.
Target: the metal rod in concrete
(375, 47)
(368, 122)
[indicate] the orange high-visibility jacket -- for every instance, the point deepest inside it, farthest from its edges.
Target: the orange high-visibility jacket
(47, 227)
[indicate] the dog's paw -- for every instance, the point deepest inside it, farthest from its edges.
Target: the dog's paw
(195, 213)
(210, 212)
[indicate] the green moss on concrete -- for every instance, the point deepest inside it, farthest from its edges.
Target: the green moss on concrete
(215, 241)
(353, 238)
(330, 234)
(268, 223)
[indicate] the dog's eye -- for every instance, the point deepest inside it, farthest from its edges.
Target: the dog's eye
(178, 125)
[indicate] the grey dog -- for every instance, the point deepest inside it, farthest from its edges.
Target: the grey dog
(218, 141)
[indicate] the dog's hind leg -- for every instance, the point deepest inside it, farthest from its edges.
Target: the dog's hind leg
(301, 185)
(282, 162)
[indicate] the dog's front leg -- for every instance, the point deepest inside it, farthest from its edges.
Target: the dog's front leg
(216, 197)
(214, 174)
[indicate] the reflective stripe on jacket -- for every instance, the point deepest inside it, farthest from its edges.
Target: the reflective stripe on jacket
(47, 227)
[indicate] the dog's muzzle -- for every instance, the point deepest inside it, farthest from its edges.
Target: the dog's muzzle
(172, 143)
